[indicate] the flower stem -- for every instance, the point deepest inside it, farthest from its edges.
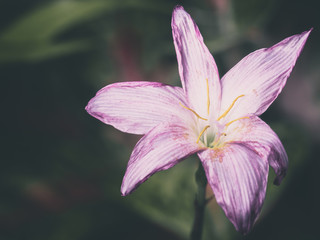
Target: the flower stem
(199, 204)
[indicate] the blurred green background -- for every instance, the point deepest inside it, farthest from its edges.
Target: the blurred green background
(62, 169)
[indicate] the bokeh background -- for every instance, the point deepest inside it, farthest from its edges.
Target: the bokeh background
(61, 169)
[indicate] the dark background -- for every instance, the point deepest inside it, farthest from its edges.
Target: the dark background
(61, 169)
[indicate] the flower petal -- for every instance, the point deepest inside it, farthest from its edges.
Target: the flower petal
(160, 149)
(238, 178)
(196, 64)
(258, 136)
(260, 76)
(137, 107)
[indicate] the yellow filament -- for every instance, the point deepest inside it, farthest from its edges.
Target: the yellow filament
(235, 120)
(216, 142)
(228, 110)
(204, 129)
(194, 112)
(208, 97)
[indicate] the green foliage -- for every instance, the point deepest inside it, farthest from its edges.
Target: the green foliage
(32, 37)
(35, 36)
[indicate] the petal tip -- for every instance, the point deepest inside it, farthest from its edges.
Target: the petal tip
(310, 30)
(306, 34)
(277, 181)
(303, 37)
(124, 193)
(177, 8)
(124, 190)
(87, 108)
(178, 15)
(129, 187)
(91, 110)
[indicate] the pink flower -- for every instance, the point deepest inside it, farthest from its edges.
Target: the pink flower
(215, 118)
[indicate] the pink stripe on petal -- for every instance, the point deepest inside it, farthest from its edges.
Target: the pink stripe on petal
(258, 136)
(160, 149)
(196, 64)
(137, 107)
(238, 178)
(260, 76)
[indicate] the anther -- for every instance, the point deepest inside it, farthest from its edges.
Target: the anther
(216, 142)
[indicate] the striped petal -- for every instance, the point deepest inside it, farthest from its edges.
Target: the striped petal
(197, 68)
(238, 178)
(259, 137)
(137, 107)
(260, 77)
(160, 149)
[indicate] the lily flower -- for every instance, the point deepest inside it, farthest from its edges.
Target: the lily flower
(216, 118)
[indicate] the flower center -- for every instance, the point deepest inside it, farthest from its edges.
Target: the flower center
(215, 137)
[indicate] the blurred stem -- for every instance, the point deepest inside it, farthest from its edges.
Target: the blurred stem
(199, 204)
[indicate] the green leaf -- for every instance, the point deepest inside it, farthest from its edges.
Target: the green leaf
(34, 36)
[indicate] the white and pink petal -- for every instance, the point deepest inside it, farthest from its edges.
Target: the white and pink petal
(258, 136)
(238, 177)
(161, 148)
(196, 64)
(260, 77)
(137, 107)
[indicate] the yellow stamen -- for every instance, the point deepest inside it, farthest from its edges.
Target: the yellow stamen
(226, 112)
(235, 120)
(204, 129)
(194, 112)
(208, 97)
(218, 139)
